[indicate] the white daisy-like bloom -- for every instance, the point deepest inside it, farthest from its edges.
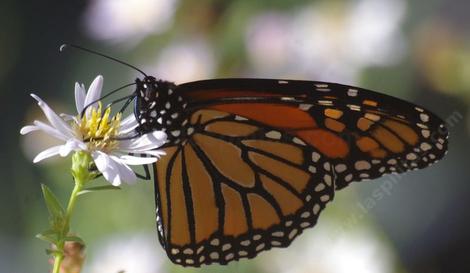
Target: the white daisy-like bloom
(99, 134)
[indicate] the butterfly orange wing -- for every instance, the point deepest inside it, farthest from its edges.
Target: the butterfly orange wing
(259, 159)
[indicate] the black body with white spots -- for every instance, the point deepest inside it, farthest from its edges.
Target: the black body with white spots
(157, 106)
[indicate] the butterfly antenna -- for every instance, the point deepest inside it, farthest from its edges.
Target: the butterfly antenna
(64, 46)
(107, 95)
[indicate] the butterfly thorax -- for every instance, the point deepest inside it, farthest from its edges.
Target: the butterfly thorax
(158, 106)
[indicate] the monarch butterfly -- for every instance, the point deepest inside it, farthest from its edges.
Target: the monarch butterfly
(251, 163)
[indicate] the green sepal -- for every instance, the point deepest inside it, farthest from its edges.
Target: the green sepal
(81, 163)
(48, 236)
(75, 239)
(56, 210)
(98, 188)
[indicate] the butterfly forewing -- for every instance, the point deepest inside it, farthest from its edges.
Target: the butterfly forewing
(365, 134)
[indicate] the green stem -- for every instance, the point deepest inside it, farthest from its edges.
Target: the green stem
(59, 257)
(72, 201)
(57, 262)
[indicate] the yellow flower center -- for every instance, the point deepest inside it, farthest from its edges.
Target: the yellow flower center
(98, 130)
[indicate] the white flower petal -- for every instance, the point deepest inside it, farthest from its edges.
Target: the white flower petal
(155, 153)
(128, 125)
(94, 93)
(129, 130)
(145, 142)
(80, 95)
(64, 150)
(101, 160)
(72, 145)
(47, 153)
(113, 169)
(106, 167)
(126, 174)
(53, 118)
(50, 130)
(137, 160)
(68, 117)
(28, 129)
(130, 119)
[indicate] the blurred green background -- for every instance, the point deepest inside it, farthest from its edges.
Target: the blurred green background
(415, 50)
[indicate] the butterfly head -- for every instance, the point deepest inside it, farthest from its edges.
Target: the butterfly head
(157, 105)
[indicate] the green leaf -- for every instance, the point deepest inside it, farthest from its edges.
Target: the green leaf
(98, 188)
(53, 205)
(74, 239)
(48, 236)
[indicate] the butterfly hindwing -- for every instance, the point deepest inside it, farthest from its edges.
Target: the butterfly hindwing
(234, 187)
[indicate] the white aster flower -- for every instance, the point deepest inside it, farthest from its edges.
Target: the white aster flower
(98, 134)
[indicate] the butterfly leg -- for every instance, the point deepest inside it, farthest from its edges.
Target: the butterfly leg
(124, 107)
(128, 100)
(145, 176)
